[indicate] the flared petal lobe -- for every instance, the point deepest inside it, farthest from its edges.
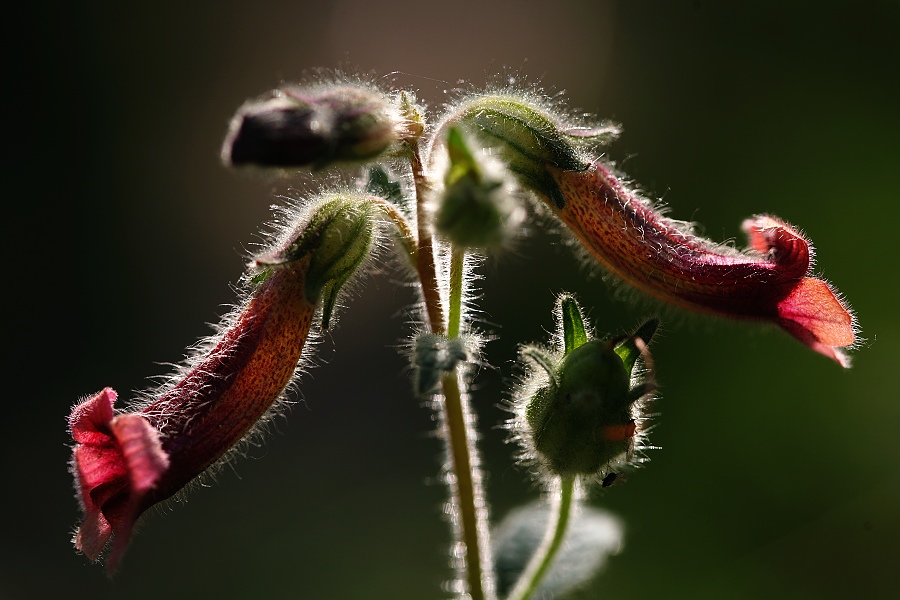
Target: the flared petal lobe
(128, 462)
(662, 257)
(116, 460)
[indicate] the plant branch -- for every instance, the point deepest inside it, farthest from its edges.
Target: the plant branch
(465, 477)
(425, 254)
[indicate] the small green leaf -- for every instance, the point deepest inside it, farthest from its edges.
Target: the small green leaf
(628, 350)
(462, 162)
(574, 333)
(329, 300)
(382, 185)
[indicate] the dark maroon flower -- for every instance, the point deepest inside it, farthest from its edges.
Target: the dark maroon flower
(772, 281)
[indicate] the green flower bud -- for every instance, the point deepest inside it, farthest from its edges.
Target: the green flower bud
(298, 127)
(476, 209)
(339, 234)
(583, 420)
(529, 137)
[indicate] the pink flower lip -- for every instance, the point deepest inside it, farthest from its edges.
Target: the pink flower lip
(126, 462)
(771, 281)
(117, 460)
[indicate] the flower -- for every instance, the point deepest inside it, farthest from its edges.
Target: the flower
(553, 156)
(125, 463)
(771, 281)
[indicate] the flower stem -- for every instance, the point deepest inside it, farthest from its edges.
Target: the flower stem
(471, 511)
(556, 532)
(465, 480)
(457, 266)
(425, 253)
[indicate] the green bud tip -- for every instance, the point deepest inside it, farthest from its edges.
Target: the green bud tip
(633, 347)
(476, 209)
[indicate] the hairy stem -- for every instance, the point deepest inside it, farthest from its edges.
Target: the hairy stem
(556, 532)
(457, 266)
(425, 253)
(470, 512)
(467, 487)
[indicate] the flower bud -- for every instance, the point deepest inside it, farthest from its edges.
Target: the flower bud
(298, 127)
(585, 418)
(339, 236)
(584, 422)
(476, 209)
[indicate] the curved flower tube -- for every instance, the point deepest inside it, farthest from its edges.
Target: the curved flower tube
(549, 153)
(125, 463)
(662, 257)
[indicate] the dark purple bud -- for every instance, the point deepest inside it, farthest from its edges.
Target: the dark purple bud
(299, 127)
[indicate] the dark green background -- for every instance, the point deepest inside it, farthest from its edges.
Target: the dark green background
(778, 474)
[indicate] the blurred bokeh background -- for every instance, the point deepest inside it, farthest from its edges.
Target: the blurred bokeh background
(778, 473)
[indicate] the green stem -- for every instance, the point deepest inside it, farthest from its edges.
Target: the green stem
(469, 500)
(465, 479)
(556, 532)
(457, 266)
(461, 435)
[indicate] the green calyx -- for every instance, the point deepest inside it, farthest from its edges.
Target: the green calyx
(474, 211)
(338, 236)
(584, 419)
(529, 138)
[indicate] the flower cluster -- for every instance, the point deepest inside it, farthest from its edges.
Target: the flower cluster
(451, 193)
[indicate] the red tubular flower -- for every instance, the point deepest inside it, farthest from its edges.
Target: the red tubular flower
(125, 463)
(662, 257)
